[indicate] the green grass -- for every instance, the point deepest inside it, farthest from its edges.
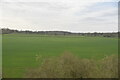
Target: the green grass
(20, 50)
(0, 55)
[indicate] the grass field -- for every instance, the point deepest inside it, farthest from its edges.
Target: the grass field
(20, 50)
(0, 56)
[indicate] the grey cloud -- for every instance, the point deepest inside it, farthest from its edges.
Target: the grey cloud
(55, 15)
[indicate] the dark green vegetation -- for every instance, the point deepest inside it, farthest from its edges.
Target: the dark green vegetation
(62, 33)
(20, 51)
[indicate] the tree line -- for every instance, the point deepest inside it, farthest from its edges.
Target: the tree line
(11, 31)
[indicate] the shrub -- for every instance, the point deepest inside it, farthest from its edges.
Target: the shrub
(70, 66)
(109, 66)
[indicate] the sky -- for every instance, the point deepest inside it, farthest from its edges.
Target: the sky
(60, 15)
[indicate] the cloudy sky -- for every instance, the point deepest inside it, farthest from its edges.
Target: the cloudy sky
(65, 15)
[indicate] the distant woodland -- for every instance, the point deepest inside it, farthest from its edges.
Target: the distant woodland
(64, 33)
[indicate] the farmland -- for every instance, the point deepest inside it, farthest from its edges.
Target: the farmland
(20, 50)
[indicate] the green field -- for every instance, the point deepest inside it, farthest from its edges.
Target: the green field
(0, 56)
(20, 50)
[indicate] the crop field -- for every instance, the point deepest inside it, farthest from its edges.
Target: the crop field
(20, 51)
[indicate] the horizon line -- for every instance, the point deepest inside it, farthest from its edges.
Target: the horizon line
(64, 31)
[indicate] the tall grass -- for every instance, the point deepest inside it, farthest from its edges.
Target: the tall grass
(70, 66)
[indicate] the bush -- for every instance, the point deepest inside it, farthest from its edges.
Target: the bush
(70, 66)
(109, 66)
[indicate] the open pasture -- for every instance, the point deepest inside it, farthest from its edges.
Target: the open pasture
(20, 50)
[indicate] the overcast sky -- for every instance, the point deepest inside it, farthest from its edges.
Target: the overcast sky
(60, 15)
